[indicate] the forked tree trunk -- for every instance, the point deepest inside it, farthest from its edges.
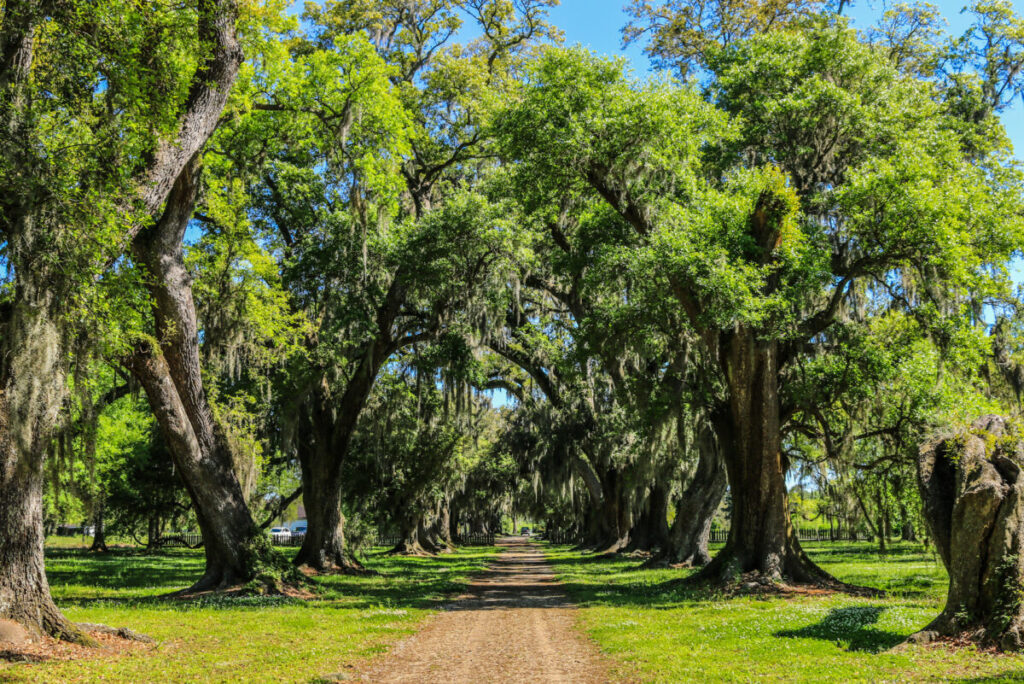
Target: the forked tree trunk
(973, 496)
(761, 538)
(695, 511)
(333, 420)
(172, 379)
(31, 390)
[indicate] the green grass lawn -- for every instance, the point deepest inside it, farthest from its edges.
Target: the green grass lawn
(252, 639)
(661, 633)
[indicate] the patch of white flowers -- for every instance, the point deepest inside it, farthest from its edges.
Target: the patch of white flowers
(382, 611)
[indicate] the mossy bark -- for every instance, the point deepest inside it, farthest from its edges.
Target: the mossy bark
(973, 496)
(171, 376)
(28, 409)
(691, 529)
(761, 536)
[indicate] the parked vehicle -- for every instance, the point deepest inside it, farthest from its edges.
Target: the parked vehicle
(280, 532)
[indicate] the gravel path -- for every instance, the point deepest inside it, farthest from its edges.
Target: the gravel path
(514, 625)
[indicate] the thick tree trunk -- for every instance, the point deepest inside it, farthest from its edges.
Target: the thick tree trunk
(31, 374)
(424, 537)
(323, 548)
(31, 390)
(24, 591)
(650, 530)
(695, 511)
(443, 527)
(333, 420)
(454, 518)
(973, 496)
(32, 379)
(616, 513)
(761, 538)
(410, 543)
(657, 507)
(172, 379)
(595, 527)
(232, 544)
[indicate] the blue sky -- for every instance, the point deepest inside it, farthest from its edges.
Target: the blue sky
(596, 24)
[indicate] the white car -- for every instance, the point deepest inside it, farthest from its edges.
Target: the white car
(280, 532)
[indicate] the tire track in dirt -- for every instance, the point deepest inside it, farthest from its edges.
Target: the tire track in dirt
(515, 624)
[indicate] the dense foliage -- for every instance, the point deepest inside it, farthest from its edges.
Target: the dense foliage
(418, 266)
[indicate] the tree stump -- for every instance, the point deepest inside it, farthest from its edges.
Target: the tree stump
(972, 493)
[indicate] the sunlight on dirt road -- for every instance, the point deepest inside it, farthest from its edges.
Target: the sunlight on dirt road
(514, 625)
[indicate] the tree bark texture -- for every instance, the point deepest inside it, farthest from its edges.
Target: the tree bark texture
(691, 529)
(650, 527)
(32, 370)
(761, 537)
(30, 398)
(973, 496)
(333, 420)
(615, 512)
(172, 378)
(323, 548)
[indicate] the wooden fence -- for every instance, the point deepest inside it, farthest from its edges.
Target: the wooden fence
(185, 541)
(475, 540)
(721, 535)
(560, 537)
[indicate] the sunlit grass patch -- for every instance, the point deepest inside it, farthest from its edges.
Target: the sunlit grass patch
(250, 638)
(659, 631)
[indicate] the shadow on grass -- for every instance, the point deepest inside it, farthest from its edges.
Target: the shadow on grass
(1011, 676)
(131, 578)
(621, 581)
(851, 626)
(123, 568)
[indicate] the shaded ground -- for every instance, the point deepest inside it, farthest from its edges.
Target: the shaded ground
(515, 624)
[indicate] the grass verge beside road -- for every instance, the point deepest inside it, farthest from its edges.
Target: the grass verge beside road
(252, 639)
(659, 632)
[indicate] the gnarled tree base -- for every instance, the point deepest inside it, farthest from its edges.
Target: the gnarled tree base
(47, 620)
(331, 564)
(973, 496)
(258, 569)
(737, 572)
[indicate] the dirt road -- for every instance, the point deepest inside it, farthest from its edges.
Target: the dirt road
(514, 625)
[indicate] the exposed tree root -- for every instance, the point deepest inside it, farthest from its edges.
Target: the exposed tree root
(353, 568)
(661, 560)
(801, 576)
(409, 547)
(103, 642)
(120, 632)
